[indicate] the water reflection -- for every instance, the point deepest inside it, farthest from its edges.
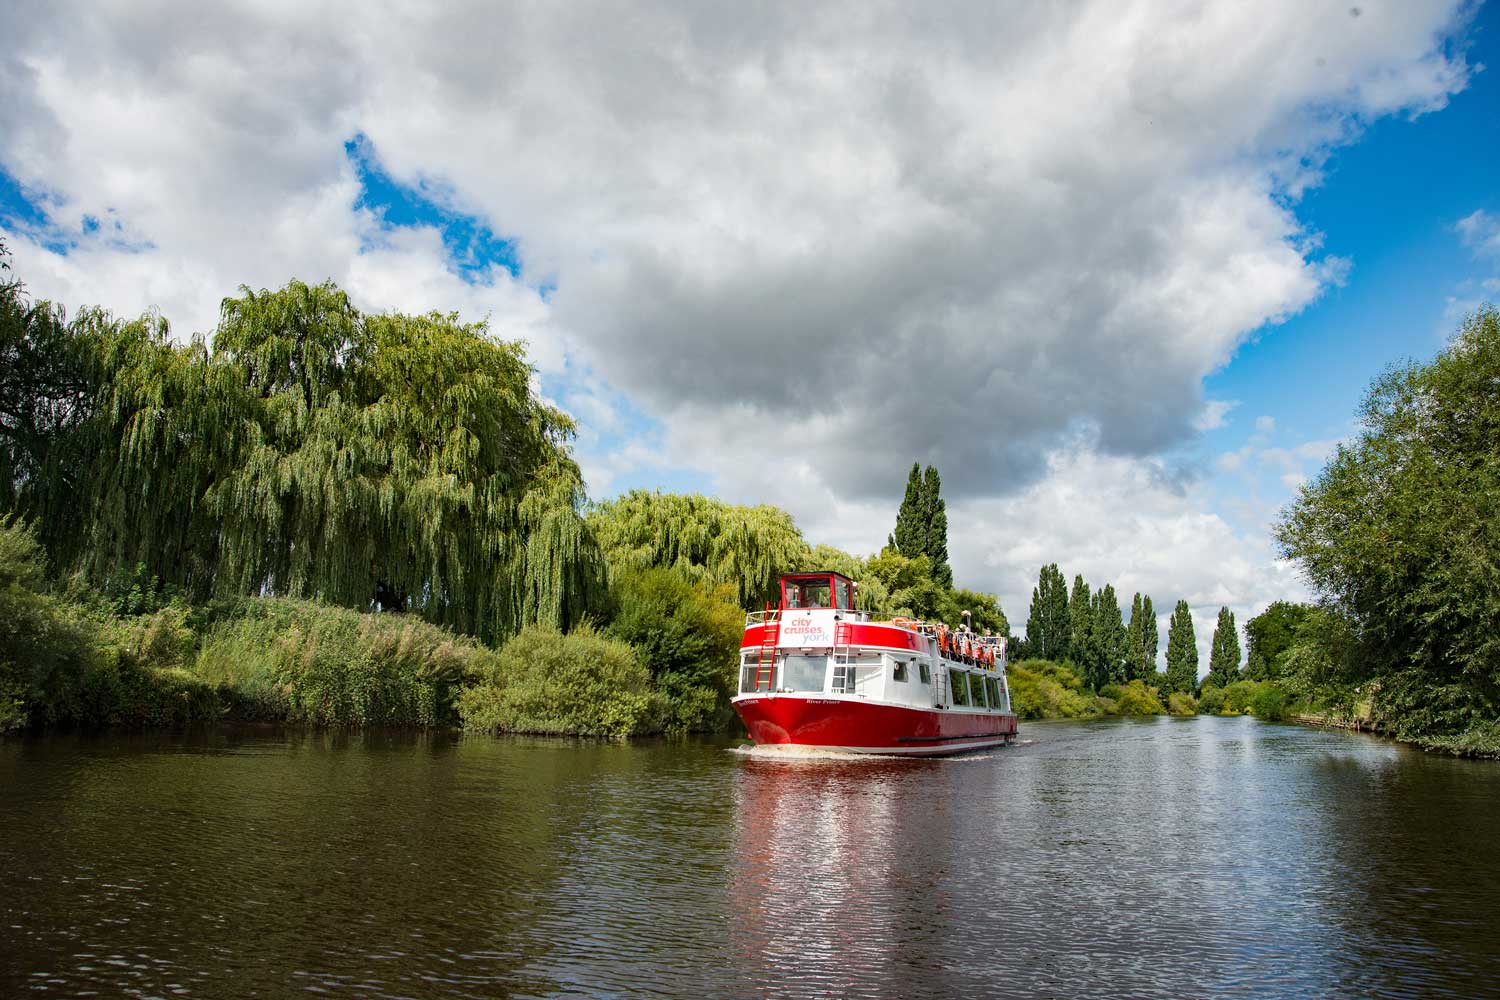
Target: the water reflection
(1186, 858)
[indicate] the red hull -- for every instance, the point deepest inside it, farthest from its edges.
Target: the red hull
(848, 724)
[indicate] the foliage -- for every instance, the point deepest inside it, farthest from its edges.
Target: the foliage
(1141, 639)
(688, 635)
(1400, 535)
(1269, 703)
(313, 451)
(1134, 698)
(1181, 703)
(1182, 651)
(1270, 635)
(747, 548)
(295, 661)
(910, 536)
(909, 585)
(936, 517)
(1044, 689)
(1047, 625)
(1224, 654)
(985, 614)
(1108, 643)
(1080, 620)
(579, 683)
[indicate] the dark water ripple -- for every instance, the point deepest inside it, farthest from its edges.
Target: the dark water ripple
(1164, 858)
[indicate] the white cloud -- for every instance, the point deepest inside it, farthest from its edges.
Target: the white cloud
(1213, 414)
(1480, 232)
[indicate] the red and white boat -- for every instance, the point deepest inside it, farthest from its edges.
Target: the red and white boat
(816, 672)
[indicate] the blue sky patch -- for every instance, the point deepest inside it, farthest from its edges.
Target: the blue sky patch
(472, 246)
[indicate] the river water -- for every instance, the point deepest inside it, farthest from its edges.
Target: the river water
(1161, 858)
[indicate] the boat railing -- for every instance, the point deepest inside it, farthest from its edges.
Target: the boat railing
(770, 615)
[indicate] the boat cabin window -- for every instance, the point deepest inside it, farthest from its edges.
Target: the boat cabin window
(924, 672)
(898, 671)
(976, 690)
(803, 673)
(958, 686)
(992, 686)
(821, 590)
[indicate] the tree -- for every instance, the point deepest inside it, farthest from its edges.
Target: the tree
(910, 537)
(1270, 635)
(1107, 646)
(1047, 625)
(1080, 622)
(1224, 654)
(1141, 639)
(1182, 651)
(985, 614)
(708, 539)
(312, 452)
(1400, 536)
(936, 547)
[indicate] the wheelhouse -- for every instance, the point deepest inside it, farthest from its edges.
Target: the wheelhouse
(817, 590)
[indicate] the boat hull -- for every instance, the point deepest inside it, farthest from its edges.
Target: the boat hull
(860, 726)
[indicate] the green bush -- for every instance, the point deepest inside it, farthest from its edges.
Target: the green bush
(581, 683)
(688, 635)
(1181, 703)
(1211, 700)
(1269, 703)
(1043, 689)
(1134, 698)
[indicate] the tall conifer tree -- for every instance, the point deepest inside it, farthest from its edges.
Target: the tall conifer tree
(1047, 627)
(1080, 621)
(1224, 654)
(1149, 637)
(911, 520)
(936, 547)
(1182, 651)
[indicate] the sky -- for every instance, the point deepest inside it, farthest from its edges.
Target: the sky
(1120, 270)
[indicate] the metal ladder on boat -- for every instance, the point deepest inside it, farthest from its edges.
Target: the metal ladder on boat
(843, 669)
(770, 638)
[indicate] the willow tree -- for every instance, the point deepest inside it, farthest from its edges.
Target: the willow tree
(745, 547)
(317, 452)
(402, 459)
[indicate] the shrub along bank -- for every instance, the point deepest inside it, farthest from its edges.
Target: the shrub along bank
(135, 659)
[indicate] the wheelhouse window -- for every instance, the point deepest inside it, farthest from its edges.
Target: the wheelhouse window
(804, 673)
(924, 672)
(898, 671)
(817, 590)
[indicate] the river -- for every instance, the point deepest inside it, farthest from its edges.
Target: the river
(1160, 858)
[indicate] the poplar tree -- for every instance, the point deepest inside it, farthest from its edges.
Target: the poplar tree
(1047, 626)
(1182, 651)
(910, 537)
(1142, 639)
(1104, 661)
(936, 547)
(1136, 639)
(1080, 621)
(1224, 654)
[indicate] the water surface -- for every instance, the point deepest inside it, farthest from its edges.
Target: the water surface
(1162, 858)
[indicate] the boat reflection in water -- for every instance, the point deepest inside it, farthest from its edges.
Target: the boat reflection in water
(833, 896)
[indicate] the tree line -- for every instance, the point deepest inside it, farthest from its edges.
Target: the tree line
(1087, 629)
